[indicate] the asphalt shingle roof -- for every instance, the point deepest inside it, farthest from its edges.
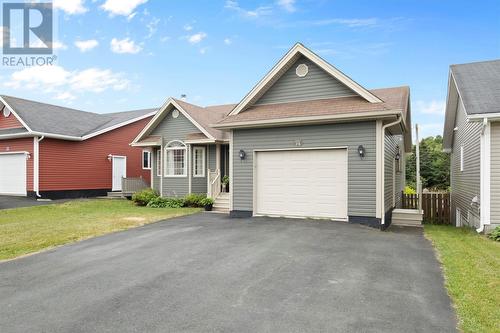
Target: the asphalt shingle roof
(479, 86)
(48, 118)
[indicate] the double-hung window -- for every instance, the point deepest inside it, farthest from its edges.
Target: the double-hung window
(199, 162)
(175, 162)
(146, 159)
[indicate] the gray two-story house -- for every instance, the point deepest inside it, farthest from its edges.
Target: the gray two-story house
(306, 141)
(472, 137)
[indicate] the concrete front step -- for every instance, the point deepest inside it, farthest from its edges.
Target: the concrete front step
(115, 194)
(407, 217)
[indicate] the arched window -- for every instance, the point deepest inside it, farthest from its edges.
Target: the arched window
(175, 159)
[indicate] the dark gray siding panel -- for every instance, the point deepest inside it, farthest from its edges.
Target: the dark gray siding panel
(199, 184)
(156, 179)
(316, 84)
(211, 157)
(175, 129)
(362, 172)
(390, 173)
(465, 185)
(495, 173)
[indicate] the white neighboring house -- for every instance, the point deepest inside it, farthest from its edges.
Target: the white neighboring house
(472, 137)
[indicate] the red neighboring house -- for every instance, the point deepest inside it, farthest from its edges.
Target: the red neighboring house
(48, 151)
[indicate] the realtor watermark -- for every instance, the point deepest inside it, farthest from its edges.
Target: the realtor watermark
(28, 34)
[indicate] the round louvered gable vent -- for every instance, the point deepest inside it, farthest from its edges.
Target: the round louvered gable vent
(302, 70)
(175, 113)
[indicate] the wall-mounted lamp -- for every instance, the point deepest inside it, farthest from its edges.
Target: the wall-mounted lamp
(110, 157)
(398, 154)
(242, 154)
(361, 151)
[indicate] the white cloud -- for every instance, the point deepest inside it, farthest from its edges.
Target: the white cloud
(228, 41)
(65, 96)
(86, 45)
(124, 46)
(433, 107)
(351, 23)
(152, 27)
(56, 79)
(164, 39)
(430, 129)
(249, 13)
(70, 6)
(203, 50)
(121, 7)
(188, 27)
(196, 38)
(288, 5)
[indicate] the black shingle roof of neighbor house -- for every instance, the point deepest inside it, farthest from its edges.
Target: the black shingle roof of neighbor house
(53, 119)
(479, 86)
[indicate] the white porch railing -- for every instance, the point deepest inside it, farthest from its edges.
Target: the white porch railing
(214, 182)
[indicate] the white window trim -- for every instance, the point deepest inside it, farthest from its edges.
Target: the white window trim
(461, 158)
(149, 159)
(158, 162)
(165, 155)
(203, 161)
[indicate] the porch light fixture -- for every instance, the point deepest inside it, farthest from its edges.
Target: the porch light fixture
(361, 151)
(110, 157)
(398, 154)
(242, 154)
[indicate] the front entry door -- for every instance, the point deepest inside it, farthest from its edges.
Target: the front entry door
(119, 171)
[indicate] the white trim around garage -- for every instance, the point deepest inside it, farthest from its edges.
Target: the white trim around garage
(254, 180)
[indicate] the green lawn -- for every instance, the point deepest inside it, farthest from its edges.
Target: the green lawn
(31, 229)
(471, 265)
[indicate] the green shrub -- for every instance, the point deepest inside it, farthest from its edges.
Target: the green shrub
(160, 202)
(207, 201)
(194, 200)
(409, 190)
(225, 180)
(495, 234)
(143, 197)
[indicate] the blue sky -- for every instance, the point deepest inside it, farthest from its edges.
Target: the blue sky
(115, 55)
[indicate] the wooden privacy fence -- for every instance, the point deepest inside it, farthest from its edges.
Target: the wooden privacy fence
(436, 206)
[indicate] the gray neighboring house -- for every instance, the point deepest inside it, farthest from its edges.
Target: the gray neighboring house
(472, 137)
(306, 141)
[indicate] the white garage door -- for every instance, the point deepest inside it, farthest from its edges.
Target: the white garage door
(302, 183)
(13, 174)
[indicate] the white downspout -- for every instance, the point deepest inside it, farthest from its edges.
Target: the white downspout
(382, 169)
(484, 176)
(36, 165)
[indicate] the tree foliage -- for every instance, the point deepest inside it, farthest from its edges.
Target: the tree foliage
(434, 165)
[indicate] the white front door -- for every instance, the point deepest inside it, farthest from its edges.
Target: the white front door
(13, 174)
(119, 172)
(301, 183)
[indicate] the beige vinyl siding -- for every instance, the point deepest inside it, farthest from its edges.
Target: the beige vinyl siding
(495, 174)
(361, 172)
(391, 144)
(175, 129)
(317, 84)
(465, 184)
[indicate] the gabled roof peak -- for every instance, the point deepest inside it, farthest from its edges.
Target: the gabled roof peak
(287, 60)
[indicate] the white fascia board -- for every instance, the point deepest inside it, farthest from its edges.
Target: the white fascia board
(296, 49)
(11, 109)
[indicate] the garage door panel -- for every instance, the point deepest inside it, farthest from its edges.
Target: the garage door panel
(13, 174)
(302, 183)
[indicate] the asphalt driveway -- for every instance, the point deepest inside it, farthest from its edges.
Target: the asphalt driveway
(7, 202)
(209, 273)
